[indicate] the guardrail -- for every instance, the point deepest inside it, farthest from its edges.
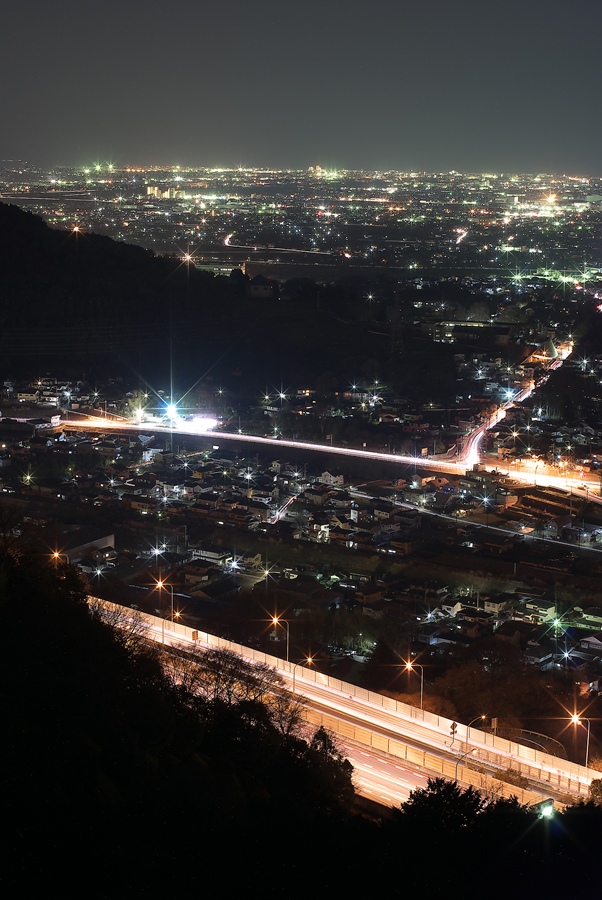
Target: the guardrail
(561, 775)
(432, 764)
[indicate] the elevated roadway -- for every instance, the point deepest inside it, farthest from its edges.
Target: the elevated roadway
(390, 734)
(532, 472)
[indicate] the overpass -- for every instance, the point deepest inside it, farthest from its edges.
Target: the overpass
(529, 472)
(398, 745)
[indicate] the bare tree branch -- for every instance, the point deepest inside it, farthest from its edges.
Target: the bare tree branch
(129, 625)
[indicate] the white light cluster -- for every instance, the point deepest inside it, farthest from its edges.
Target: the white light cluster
(203, 423)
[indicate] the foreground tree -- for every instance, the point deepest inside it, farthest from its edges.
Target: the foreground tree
(104, 756)
(595, 791)
(207, 678)
(443, 805)
(129, 627)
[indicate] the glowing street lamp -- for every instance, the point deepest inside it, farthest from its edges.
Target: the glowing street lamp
(487, 502)
(163, 585)
(276, 620)
(544, 809)
(58, 556)
(482, 718)
(460, 758)
(576, 719)
(410, 666)
(308, 661)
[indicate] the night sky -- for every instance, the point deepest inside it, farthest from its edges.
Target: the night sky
(470, 85)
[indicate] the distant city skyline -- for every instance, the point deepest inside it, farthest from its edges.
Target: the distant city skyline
(510, 226)
(468, 86)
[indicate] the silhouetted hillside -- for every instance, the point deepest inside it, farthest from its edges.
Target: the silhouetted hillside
(67, 293)
(109, 763)
(126, 781)
(83, 300)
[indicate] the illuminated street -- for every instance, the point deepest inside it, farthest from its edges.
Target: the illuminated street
(529, 471)
(383, 727)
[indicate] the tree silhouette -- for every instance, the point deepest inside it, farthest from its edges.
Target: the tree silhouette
(443, 805)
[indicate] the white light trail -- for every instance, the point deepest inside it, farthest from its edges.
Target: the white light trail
(467, 457)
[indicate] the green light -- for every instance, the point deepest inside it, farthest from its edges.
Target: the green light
(545, 808)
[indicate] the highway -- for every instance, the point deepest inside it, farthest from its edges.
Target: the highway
(228, 243)
(393, 737)
(529, 472)
(393, 722)
(186, 428)
(380, 779)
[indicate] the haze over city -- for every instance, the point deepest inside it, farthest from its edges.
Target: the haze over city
(435, 86)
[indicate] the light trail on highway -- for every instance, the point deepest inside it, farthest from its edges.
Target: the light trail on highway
(375, 775)
(381, 724)
(468, 457)
(181, 429)
(380, 779)
(257, 249)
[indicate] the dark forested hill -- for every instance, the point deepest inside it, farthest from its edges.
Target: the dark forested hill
(124, 773)
(84, 300)
(113, 770)
(67, 293)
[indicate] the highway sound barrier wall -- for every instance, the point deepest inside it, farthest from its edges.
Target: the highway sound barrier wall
(561, 776)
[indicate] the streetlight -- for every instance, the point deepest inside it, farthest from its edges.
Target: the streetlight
(577, 720)
(68, 400)
(544, 809)
(410, 666)
(486, 502)
(482, 718)
(164, 584)
(306, 662)
(57, 556)
(276, 620)
(459, 760)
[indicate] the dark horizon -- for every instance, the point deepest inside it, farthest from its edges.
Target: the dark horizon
(432, 89)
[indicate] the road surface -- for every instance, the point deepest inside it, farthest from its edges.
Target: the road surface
(469, 456)
(392, 732)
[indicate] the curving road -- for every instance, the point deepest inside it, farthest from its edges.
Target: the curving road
(378, 726)
(468, 456)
